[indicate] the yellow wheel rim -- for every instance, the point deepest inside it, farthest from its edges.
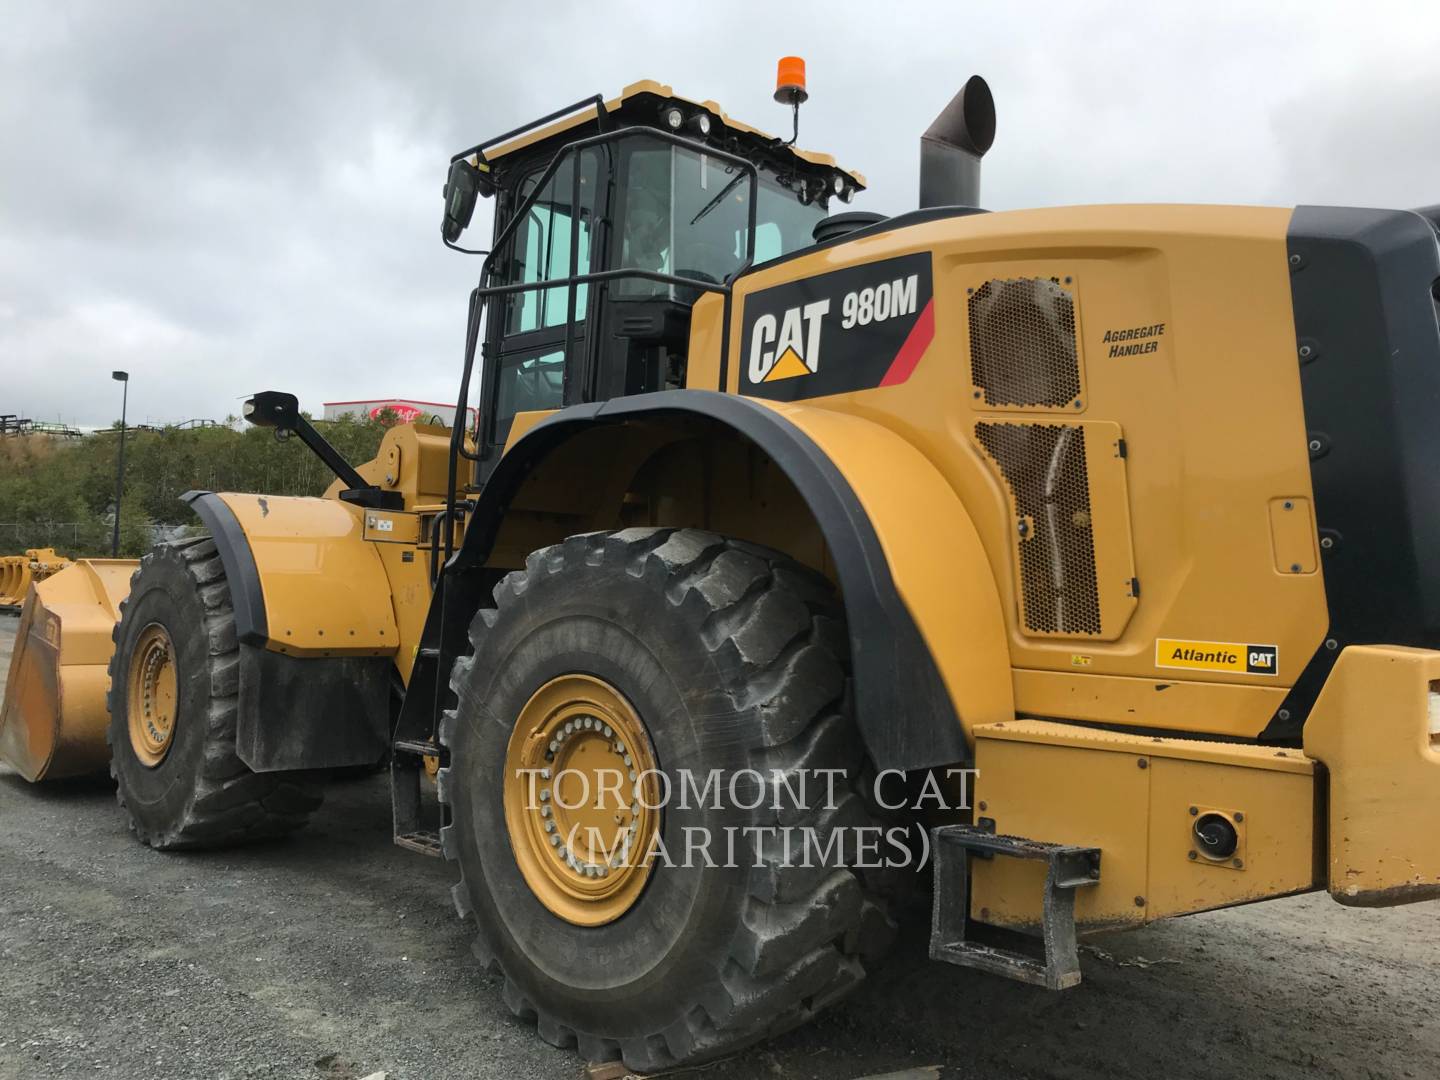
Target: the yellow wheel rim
(152, 695)
(581, 801)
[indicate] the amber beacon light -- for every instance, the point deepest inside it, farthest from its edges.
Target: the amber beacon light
(790, 81)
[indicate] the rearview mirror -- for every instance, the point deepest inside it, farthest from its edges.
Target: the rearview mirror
(272, 409)
(461, 188)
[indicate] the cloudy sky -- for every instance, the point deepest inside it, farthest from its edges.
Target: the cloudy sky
(226, 197)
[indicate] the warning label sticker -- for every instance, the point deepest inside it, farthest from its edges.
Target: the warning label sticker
(1217, 656)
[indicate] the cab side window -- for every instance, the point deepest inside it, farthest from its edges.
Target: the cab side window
(541, 249)
(531, 361)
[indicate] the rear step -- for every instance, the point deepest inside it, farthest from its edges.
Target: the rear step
(1070, 867)
(407, 764)
(426, 842)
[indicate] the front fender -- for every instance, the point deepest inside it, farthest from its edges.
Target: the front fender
(303, 579)
(316, 629)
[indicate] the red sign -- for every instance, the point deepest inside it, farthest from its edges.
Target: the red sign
(401, 414)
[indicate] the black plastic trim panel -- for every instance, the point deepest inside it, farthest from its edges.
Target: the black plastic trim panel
(1368, 345)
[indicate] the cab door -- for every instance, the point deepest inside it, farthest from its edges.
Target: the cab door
(527, 332)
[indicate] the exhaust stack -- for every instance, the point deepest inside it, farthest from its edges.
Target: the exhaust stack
(951, 148)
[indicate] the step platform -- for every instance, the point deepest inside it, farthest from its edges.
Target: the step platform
(1069, 867)
(407, 767)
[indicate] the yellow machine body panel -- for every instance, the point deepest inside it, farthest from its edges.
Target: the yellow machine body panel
(400, 540)
(325, 589)
(1376, 727)
(1137, 798)
(53, 721)
(414, 460)
(1179, 401)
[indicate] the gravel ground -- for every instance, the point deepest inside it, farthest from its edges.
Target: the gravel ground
(334, 954)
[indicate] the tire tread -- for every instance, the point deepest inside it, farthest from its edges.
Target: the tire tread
(805, 934)
(230, 804)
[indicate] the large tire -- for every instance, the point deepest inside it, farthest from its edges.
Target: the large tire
(199, 793)
(735, 658)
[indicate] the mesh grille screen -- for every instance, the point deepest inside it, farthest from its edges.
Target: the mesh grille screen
(1044, 465)
(1022, 343)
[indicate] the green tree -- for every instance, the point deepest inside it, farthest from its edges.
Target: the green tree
(63, 490)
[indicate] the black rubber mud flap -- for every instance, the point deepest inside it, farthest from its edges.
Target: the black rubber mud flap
(312, 712)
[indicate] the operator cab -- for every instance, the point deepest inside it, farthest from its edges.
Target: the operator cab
(611, 220)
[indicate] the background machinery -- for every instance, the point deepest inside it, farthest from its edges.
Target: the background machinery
(18, 572)
(1127, 508)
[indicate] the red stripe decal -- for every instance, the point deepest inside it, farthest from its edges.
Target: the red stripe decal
(921, 334)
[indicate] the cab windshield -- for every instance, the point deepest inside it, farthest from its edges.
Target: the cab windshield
(684, 212)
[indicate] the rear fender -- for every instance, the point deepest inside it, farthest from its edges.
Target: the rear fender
(926, 629)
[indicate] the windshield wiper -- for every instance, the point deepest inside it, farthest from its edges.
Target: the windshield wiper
(716, 200)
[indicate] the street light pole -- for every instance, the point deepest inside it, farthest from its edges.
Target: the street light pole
(122, 377)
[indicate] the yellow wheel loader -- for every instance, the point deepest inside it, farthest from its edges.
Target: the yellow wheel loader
(1078, 554)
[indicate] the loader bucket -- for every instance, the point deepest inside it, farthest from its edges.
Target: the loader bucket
(53, 721)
